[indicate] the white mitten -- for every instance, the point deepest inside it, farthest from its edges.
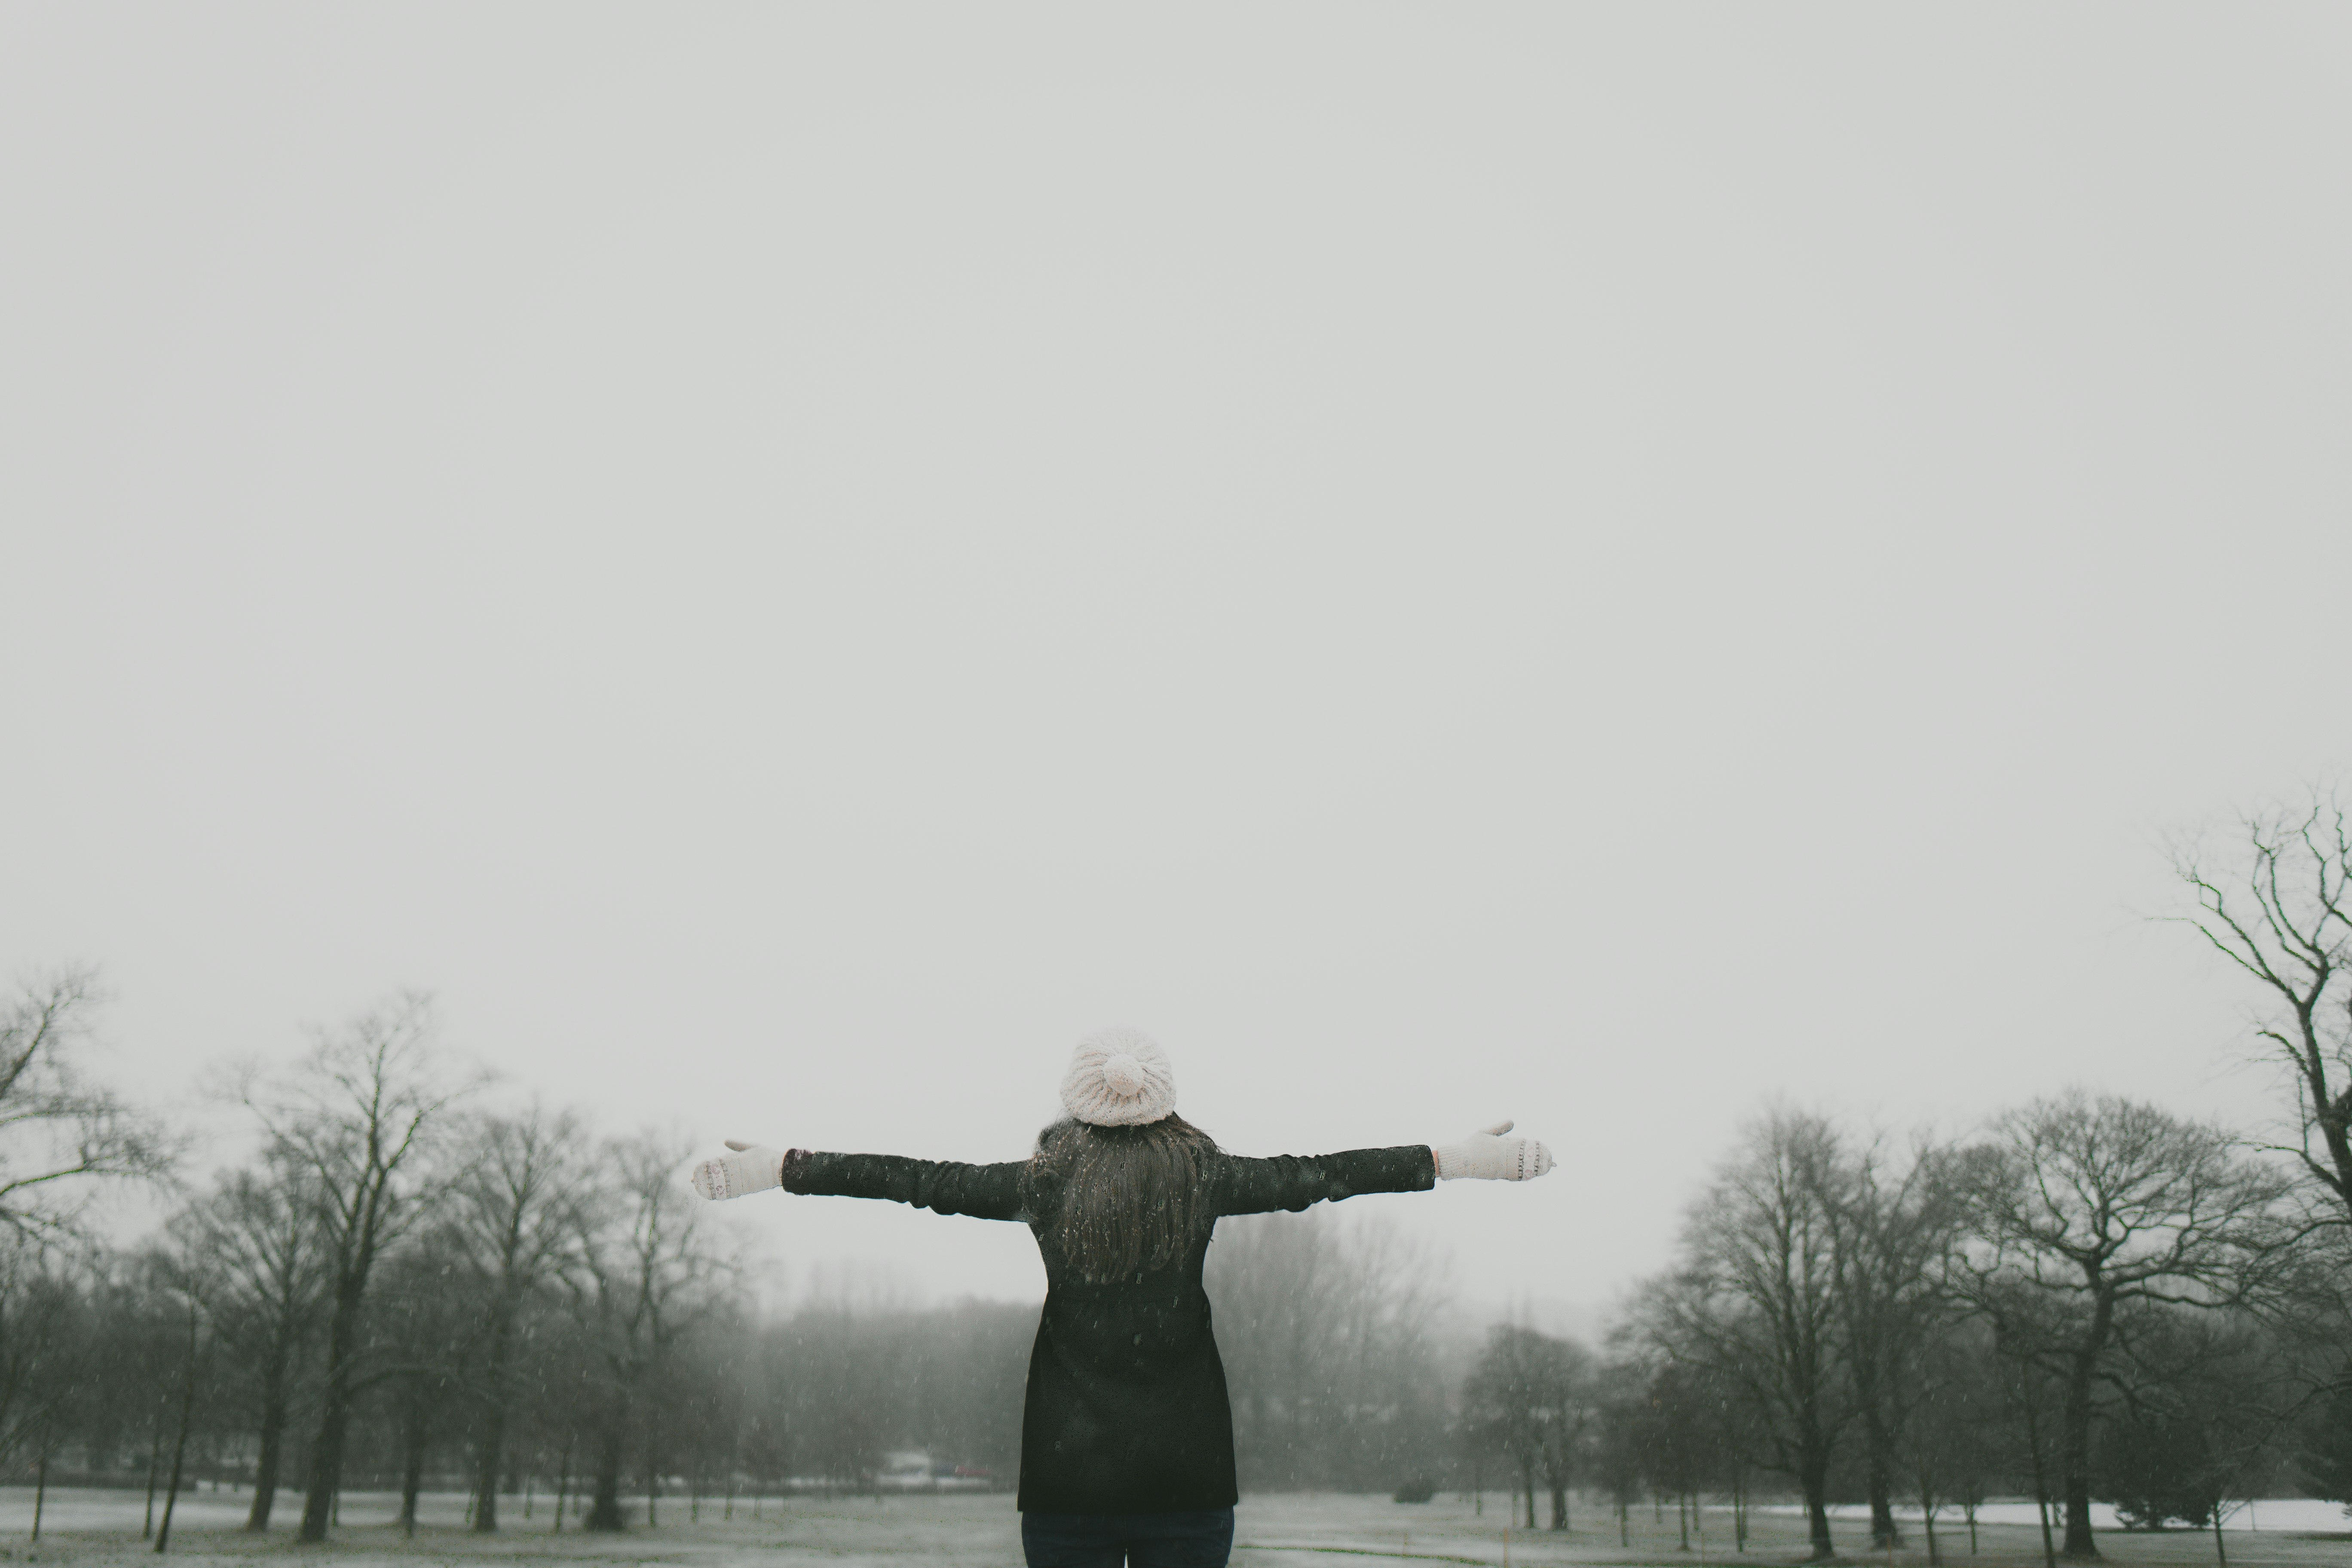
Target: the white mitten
(1491, 1157)
(752, 1168)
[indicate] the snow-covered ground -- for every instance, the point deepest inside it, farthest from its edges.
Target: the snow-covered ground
(89, 1529)
(2269, 1514)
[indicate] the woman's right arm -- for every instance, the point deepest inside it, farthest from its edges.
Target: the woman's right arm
(943, 1187)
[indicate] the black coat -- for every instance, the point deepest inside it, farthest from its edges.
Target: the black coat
(1126, 1410)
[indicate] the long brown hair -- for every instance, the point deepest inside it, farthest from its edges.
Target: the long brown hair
(1118, 1200)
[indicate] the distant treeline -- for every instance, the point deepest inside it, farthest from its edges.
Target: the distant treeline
(2091, 1299)
(401, 1286)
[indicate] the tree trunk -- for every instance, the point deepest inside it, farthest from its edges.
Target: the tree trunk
(40, 1487)
(155, 1468)
(273, 1437)
(412, 1445)
(1880, 1482)
(1928, 1517)
(604, 1512)
(653, 1471)
(2034, 1450)
(1527, 1485)
(2075, 1435)
(180, 1444)
(334, 1407)
(494, 1419)
(1815, 1477)
(485, 1470)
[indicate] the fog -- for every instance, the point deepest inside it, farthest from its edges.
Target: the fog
(1598, 567)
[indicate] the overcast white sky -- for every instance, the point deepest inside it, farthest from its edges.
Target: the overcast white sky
(1594, 564)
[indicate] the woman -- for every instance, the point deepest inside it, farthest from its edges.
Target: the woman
(1127, 1440)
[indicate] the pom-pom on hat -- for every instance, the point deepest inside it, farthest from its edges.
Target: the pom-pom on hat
(1118, 1078)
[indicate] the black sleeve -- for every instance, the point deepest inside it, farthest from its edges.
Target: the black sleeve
(943, 1187)
(1294, 1181)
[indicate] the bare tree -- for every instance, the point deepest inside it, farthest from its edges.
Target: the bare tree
(2202, 1426)
(1544, 1395)
(262, 1229)
(120, 1385)
(1323, 1324)
(1267, 1277)
(1571, 1393)
(2097, 1207)
(643, 1274)
(424, 1336)
(1686, 1432)
(2276, 901)
(1955, 1439)
(2325, 1445)
(513, 1217)
(1532, 1396)
(41, 1308)
(361, 1116)
(184, 1269)
(56, 1128)
(1619, 1451)
(1892, 1224)
(1755, 1299)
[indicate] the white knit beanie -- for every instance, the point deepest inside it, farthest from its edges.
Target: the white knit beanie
(1118, 1078)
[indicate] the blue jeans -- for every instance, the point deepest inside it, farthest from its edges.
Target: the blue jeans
(1203, 1539)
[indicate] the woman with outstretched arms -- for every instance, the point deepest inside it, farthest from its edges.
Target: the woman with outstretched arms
(1127, 1440)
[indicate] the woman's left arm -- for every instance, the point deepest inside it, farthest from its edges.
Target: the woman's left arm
(1293, 1181)
(1244, 1185)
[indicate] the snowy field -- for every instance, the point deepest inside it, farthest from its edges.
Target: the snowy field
(99, 1529)
(2294, 1515)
